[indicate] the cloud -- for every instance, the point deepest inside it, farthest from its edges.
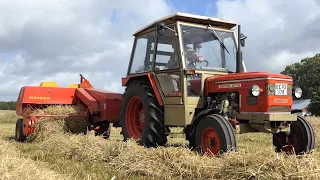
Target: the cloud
(59, 39)
(279, 32)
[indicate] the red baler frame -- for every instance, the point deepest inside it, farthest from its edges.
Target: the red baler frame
(100, 105)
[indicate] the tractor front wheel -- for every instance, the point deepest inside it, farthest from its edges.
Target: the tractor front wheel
(19, 131)
(215, 135)
(142, 116)
(300, 140)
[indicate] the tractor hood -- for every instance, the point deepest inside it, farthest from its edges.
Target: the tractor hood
(238, 77)
(258, 91)
(244, 81)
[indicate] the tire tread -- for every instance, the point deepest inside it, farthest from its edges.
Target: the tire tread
(154, 133)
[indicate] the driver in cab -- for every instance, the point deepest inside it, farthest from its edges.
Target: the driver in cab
(191, 55)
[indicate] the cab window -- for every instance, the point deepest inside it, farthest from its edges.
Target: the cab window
(167, 51)
(142, 58)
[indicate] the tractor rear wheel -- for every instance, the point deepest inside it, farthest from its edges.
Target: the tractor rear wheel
(19, 131)
(142, 116)
(215, 135)
(300, 140)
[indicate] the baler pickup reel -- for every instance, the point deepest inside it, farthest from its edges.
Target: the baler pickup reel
(32, 117)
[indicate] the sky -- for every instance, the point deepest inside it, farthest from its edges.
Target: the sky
(57, 40)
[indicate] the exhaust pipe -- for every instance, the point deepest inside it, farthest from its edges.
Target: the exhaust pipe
(239, 52)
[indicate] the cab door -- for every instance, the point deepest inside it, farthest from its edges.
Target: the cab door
(167, 65)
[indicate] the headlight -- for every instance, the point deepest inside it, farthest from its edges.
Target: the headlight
(254, 90)
(297, 92)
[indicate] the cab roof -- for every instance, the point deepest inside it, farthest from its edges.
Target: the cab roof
(191, 18)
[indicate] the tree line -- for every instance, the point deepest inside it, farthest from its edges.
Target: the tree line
(7, 105)
(306, 75)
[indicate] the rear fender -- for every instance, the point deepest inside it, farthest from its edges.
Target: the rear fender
(149, 78)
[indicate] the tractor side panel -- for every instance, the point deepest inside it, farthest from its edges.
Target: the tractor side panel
(174, 115)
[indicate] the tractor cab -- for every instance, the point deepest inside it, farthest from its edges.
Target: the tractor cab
(203, 48)
(182, 50)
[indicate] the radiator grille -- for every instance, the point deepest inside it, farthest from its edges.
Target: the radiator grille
(280, 108)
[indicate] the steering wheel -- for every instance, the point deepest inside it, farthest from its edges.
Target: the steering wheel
(193, 63)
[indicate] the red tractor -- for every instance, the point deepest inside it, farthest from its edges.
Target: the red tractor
(184, 72)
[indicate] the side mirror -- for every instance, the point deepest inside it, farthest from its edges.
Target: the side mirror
(161, 29)
(242, 40)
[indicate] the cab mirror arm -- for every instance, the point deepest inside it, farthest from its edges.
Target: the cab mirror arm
(161, 29)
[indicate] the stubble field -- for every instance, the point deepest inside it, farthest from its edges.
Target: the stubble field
(64, 156)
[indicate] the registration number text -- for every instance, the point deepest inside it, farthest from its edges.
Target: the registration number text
(281, 89)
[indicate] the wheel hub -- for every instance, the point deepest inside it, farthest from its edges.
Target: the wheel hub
(135, 117)
(141, 119)
(210, 141)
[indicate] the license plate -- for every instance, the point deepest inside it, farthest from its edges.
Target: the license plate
(281, 89)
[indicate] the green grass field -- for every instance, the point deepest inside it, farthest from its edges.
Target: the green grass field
(65, 156)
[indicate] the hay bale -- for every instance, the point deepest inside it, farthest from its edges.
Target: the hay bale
(47, 126)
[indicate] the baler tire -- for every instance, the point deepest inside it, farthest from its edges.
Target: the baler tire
(19, 131)
(153, 131)
(104, 130)
(220, 132)
(304, 143)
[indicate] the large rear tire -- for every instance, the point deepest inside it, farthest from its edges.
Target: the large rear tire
(300, 140)
(215, 135)
(19, 131)
(142, 116)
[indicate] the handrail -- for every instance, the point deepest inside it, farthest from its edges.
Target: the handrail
(84, 83)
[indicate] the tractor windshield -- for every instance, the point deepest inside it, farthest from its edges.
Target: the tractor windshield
(208, 49)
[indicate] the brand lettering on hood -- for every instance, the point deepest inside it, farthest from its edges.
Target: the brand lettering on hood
(230, 85)
(276, 100)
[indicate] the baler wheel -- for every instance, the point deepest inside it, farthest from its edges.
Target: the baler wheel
(142, 116)
(300, 140)
(104, 130)
(19, 131)
(215, 135)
